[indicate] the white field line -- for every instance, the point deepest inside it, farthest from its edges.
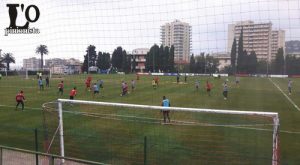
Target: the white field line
(289, 99)
(18, 87)
(25, 107)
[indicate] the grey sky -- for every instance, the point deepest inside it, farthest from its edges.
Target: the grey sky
(68, 27)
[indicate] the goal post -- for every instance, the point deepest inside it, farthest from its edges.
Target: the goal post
(273, 116)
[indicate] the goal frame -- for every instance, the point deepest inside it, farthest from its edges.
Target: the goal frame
(273, 115)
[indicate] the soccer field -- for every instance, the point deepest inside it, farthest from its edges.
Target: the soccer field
(120, 141)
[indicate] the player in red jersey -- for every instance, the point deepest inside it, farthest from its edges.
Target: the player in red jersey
(20, 98)
(73, 93)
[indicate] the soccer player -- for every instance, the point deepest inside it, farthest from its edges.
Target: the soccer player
(100, 82)
(237, 81)
(197, 84)
(225, 90)
(88, 84)
(208, 87)
(20, 98)
(132, 85)
(73, 93)
(95, 89)
(41, 85)
(47, 81)
(61, 88)
(290, 87)
(154, 84)
(165, 103)
(156, 79)
(124, 89)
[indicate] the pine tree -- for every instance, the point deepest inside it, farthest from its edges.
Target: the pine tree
(233, 55)
(240, 58)
(171, 59)
(192, 64)
(279, 62)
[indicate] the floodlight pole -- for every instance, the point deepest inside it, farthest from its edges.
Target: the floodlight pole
(61, 131)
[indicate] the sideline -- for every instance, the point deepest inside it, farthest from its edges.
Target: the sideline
(289, 99)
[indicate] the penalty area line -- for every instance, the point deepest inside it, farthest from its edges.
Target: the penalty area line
(286, 96)
(25, 108)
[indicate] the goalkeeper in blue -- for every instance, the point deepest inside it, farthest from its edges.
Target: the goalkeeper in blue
(165, 103)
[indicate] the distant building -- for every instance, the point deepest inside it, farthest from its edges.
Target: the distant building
(179, 35)
(32, 63)
(140, 58)
(54, 62)
(277, 41)
(223, 58)
(64, 66)
(58, 69)
(258, 37)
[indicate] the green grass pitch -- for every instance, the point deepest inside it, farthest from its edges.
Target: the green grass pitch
(121, 141)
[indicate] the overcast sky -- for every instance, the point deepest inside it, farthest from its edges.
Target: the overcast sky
(69, 26)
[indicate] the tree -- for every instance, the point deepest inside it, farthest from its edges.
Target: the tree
(166, 59)
(171, 59)
(292, 65)
(103, 60)
(106, 63)
(240, 58)
(84, 67)
(90, 58)
(200, 63)
(126, 62)
(152, 59)
(42, 50)
(192, 64)
(261, 67)
(92, 55)
(99, 63)
(7, 59)
(233, 56)
(1, 61)
(117, 58)
(279, 62)
(252, 62)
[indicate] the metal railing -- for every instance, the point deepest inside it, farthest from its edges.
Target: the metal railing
(13, 156)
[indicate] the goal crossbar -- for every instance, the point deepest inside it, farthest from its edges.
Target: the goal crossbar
(273, 115)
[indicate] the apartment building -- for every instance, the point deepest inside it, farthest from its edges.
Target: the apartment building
(179, 35)
(258, 37)
(139, 55)
(32, 63)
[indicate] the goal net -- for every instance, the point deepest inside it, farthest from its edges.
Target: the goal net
(118, 133)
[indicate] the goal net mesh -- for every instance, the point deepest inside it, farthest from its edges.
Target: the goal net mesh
(116, 135)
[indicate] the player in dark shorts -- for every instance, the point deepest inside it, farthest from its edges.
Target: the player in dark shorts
(61, 88)
(290, 87)
(73, 93)
(225, 90)
(208, 87)
(20, 98)
(47, 82)
(165, 103)
(96, 89)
